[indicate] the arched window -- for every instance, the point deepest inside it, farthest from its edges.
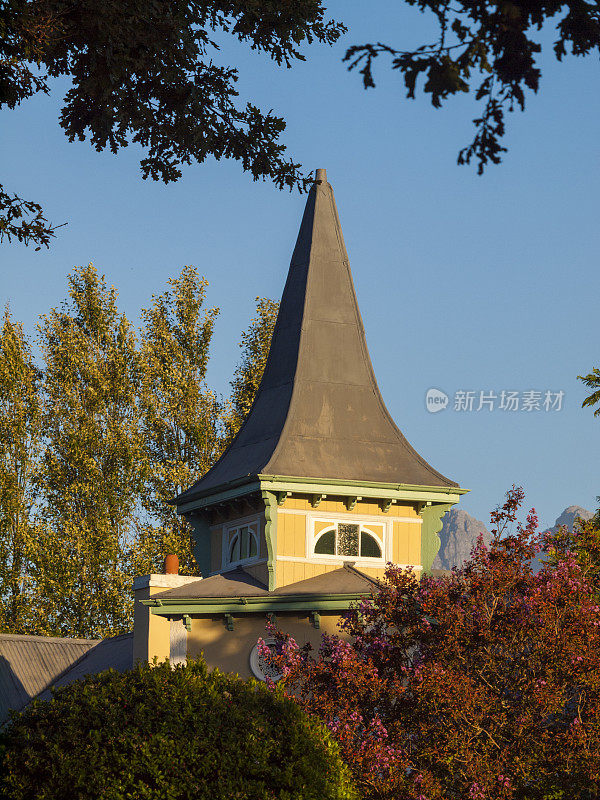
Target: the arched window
(348, 540)
(242, 544)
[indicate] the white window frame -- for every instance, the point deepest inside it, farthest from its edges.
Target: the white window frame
(363, 525)
(253, 524)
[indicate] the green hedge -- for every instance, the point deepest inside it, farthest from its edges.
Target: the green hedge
(162, 733)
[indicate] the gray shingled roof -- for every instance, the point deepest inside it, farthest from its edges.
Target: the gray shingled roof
(31, 665)
(114, 653)
(238, 583)
(345, 580)
(318, 412)
(234, 583)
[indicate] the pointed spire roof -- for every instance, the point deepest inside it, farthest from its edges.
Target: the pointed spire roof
(318, 412)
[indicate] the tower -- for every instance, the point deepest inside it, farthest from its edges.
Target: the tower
(319, 489)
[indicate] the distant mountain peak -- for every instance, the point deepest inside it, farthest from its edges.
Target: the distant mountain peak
(458, 535)
(460, 531)
(569, 515)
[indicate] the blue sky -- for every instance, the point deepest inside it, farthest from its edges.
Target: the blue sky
(465, 283)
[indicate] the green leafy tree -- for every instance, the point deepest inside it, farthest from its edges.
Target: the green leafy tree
(169, 732)
(181, 416)
(592, 381)
(20, 448)
(94, 462)
(146, 72)
(490, 48)
(255, 345)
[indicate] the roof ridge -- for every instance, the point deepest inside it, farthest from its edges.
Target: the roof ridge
(351, 568)
(41, 638)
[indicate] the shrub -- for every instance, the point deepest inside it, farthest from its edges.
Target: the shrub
(163, 733)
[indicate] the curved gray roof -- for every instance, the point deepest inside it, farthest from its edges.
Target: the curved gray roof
(318, 412)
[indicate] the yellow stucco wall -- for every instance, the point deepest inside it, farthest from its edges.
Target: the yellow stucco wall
(150, 632)
(367, 507)
(291, 571)
(230, 650)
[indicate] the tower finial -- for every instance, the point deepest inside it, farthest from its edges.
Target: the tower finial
(320, 176)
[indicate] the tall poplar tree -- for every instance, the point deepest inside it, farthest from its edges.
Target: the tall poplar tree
(181, 416)
(94, 461)
(255, 345)
(20, 443)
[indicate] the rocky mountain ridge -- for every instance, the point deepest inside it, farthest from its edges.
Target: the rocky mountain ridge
(460, 531)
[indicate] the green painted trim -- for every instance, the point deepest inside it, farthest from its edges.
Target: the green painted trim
(274, 599)
(201, 542)
(341, 489)
(331, 486)
(366, 484)
(255, 608)
(432, 525)
(271, 503)
(252, 605)
(220, 495)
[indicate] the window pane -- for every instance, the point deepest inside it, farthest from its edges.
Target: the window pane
(244, 543)
(234, 549)
(326, 544)
(369, 546)
(253, 547)
(347, 544)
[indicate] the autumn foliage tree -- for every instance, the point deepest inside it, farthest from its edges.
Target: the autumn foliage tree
(180, 419)
(255, 346)
(93, 463)
(481, 685)
(97, 438)
(20, 449)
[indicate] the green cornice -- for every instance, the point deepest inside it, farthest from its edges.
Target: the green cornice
(366, 484)
(319, 486)
(252, 605)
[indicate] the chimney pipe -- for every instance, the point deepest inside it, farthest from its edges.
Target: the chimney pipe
(171, 565)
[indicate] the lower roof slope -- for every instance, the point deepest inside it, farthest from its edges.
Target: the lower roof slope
(239, 583)
(31, 665)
